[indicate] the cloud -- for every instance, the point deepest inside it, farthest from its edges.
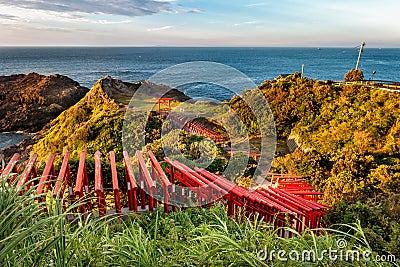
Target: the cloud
(8, 17)
(245, 23)
(185, 11)
(256, 4)
(160, 28)
(112, 7)
(107, 22)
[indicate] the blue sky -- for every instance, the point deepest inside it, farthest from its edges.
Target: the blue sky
(200, 23)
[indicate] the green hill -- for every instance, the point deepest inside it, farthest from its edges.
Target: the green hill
(94, 123)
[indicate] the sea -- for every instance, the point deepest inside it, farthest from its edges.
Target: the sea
(8, 139)
(88, 64)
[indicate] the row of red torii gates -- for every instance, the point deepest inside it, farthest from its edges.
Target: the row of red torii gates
(288, 201)
(195, 127)
(186, 124)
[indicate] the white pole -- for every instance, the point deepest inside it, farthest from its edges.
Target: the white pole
(359, 54)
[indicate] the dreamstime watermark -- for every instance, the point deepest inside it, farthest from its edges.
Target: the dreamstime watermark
(145, 101)
(341, 253)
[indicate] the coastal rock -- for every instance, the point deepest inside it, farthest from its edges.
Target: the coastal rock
(122, 91)
(29, 102)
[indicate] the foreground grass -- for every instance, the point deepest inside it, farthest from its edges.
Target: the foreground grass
(32, 234)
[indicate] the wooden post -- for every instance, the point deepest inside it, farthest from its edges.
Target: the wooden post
(154, 178)
(99, 187)
(64, 179)
(142, 194)
(80, 182)
(9, 168)
(87, 191)
(230, 205)
(49, 171)
(114, 174)
(28, 173)
(131, 183)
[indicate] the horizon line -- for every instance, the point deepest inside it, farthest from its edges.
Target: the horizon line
(177, 46)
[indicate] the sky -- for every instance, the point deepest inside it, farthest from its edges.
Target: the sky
(287, 23)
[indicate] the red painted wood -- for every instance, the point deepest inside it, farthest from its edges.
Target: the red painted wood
(209, 186)
(131, 183)
(87, 190)
(114, 174)
(63, 176)
(80, 181)
(47, 175)
(80, 178)
(98, 175)
(10, 167)
(160, 173)
(283, 205)
(98, 184)
(29, 171)
(145, 178)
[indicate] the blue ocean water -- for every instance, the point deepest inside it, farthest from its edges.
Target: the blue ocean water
(8, 139)
(86, 65)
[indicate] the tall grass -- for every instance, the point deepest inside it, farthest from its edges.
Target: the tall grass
(33, 234)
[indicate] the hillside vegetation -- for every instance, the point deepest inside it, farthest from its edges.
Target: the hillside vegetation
(348, 140)
(94, 123)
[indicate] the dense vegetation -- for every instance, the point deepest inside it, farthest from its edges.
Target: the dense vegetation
(348, 147)
(347, 139)
(33, 234)
(94, 123)
(354, 76)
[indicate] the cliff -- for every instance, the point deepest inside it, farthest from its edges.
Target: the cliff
(122, 91)
(28, 102)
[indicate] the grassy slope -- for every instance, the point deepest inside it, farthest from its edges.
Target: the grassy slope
(94, 123)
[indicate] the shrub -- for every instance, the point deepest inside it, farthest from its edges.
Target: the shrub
(354, 76)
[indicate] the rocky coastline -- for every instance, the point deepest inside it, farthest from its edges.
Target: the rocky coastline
(30, 102)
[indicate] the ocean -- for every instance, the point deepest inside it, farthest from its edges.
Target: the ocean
(86, 65)
(8, 139)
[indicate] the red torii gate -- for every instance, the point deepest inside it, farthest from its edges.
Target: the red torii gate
(194, 127)
(296, 185)
(166, 101)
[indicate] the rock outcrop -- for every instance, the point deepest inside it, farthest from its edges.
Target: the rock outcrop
(122, 91)
(29, 102)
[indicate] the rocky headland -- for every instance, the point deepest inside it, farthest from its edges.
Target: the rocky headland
(28, 102)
